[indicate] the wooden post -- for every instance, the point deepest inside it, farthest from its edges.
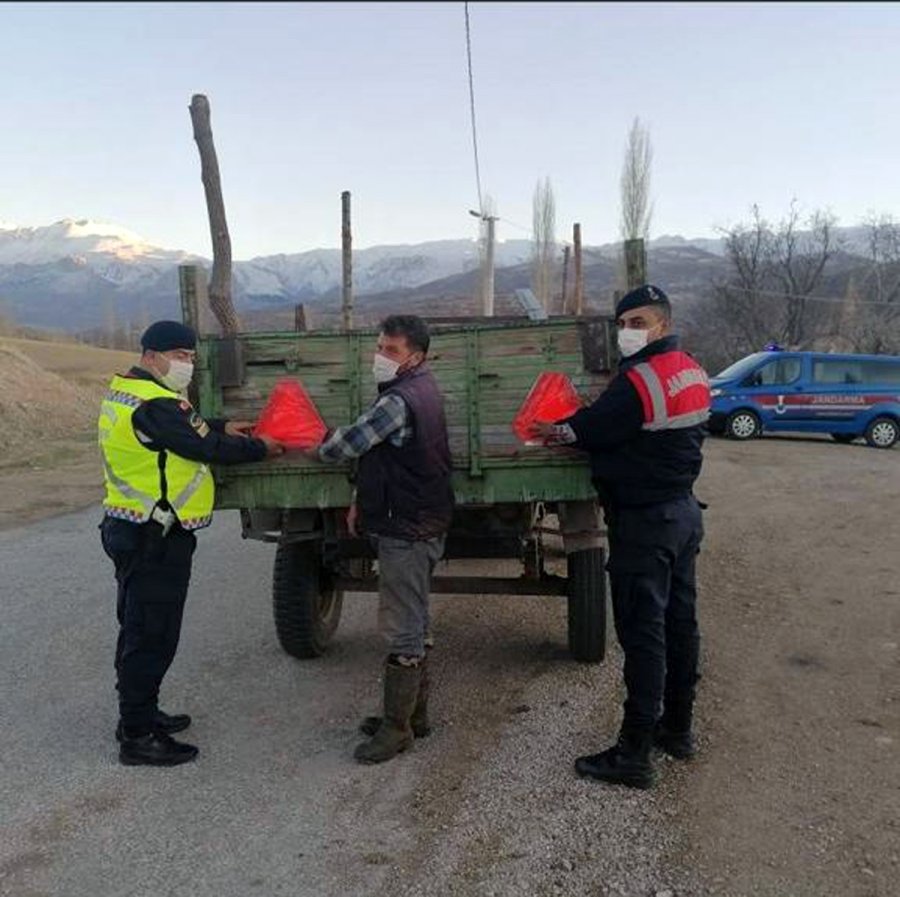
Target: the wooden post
(579, 271)
(188, 282)
(300, 324)
(635, 263)
(347, 261)
(566, 251)
(220, 282)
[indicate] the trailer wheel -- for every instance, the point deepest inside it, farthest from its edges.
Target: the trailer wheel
(307, 607)
(587, 604)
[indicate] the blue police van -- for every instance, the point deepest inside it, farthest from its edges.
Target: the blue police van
(778, 391)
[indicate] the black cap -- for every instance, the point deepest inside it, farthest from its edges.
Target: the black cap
(647, 294)
(164, 336)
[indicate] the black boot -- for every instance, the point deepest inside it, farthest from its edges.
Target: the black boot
(419, 720)
(155, 749)
(627, 762)
(394, 735)
(161, 722)
(673, 731)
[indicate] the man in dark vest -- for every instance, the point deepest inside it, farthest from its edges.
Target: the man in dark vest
(644, 436)
(404, 502)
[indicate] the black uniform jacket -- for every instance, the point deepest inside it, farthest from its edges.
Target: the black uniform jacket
(173, 425)
(631, 466)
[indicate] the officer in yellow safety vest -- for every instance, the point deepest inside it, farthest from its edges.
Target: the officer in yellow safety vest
(159, 490)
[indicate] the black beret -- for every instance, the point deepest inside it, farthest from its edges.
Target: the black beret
(166, 335)
(647, 294)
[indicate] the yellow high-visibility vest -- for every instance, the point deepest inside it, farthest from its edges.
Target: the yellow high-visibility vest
(133, 478)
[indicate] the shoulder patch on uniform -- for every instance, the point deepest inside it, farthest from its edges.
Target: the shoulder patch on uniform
(200, 425)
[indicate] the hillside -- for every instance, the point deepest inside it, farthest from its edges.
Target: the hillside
(49, 404)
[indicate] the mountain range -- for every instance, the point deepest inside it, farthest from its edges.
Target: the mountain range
(82, 274)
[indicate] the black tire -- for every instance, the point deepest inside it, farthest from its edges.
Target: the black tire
(587, 604)
(743, 424)
(307, 608)
(883, 432)
(845, 438)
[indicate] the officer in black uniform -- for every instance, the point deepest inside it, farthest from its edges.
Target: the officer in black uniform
(644, 435)
(153, 557)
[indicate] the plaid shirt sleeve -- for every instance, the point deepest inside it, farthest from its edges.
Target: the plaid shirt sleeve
(386, 419)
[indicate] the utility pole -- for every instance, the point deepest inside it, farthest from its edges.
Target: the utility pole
(489, 270)
(347, 261)
(487, 274)
(566, 251)
(579, 271)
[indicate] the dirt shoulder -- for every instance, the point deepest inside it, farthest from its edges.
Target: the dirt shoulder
(61, 476)
(797, 788)
(49, 463)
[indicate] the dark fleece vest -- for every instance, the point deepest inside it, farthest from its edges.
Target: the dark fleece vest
(406, 492)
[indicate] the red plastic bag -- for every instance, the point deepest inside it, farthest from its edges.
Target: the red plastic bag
(552, 398)
(291, 417)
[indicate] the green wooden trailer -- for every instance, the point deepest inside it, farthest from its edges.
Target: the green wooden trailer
(506, 492)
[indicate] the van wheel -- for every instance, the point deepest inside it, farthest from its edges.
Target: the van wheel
(883, 432)
(743, 425)
(846, 438)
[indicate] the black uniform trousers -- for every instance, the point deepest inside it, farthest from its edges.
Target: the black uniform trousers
(153, 573)
(652, 559)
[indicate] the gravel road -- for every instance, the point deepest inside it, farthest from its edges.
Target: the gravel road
(796, 791)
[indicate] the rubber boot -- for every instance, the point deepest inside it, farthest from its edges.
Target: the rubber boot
(627, 762)
(394, 735)
(673, 731)
(419, 719)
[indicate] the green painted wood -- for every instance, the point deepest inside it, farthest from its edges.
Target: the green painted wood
(485, 371)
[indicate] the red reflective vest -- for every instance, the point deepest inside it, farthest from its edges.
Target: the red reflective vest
(674, 391)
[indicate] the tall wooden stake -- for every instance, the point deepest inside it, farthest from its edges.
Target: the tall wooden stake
(347, 261)
(579, 271)
(562, 303)
(220, 281)
(635, 263)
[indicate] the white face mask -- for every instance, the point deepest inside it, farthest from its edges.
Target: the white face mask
(179, 377)
(632, 341)
(383, 369)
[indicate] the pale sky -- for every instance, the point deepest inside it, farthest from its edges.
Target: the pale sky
(745, 103)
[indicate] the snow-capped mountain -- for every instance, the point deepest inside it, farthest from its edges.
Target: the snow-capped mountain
(91, 240)
(80, 273)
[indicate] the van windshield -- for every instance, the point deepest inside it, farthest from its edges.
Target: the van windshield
(741, 368)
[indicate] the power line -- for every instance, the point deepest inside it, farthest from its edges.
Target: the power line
(833, 300)
(472, 110)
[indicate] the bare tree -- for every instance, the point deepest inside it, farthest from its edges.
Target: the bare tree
(882, 282)
(775, 270)
(543, 250)
(635, 184)
(769, 295)
(870, 315)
